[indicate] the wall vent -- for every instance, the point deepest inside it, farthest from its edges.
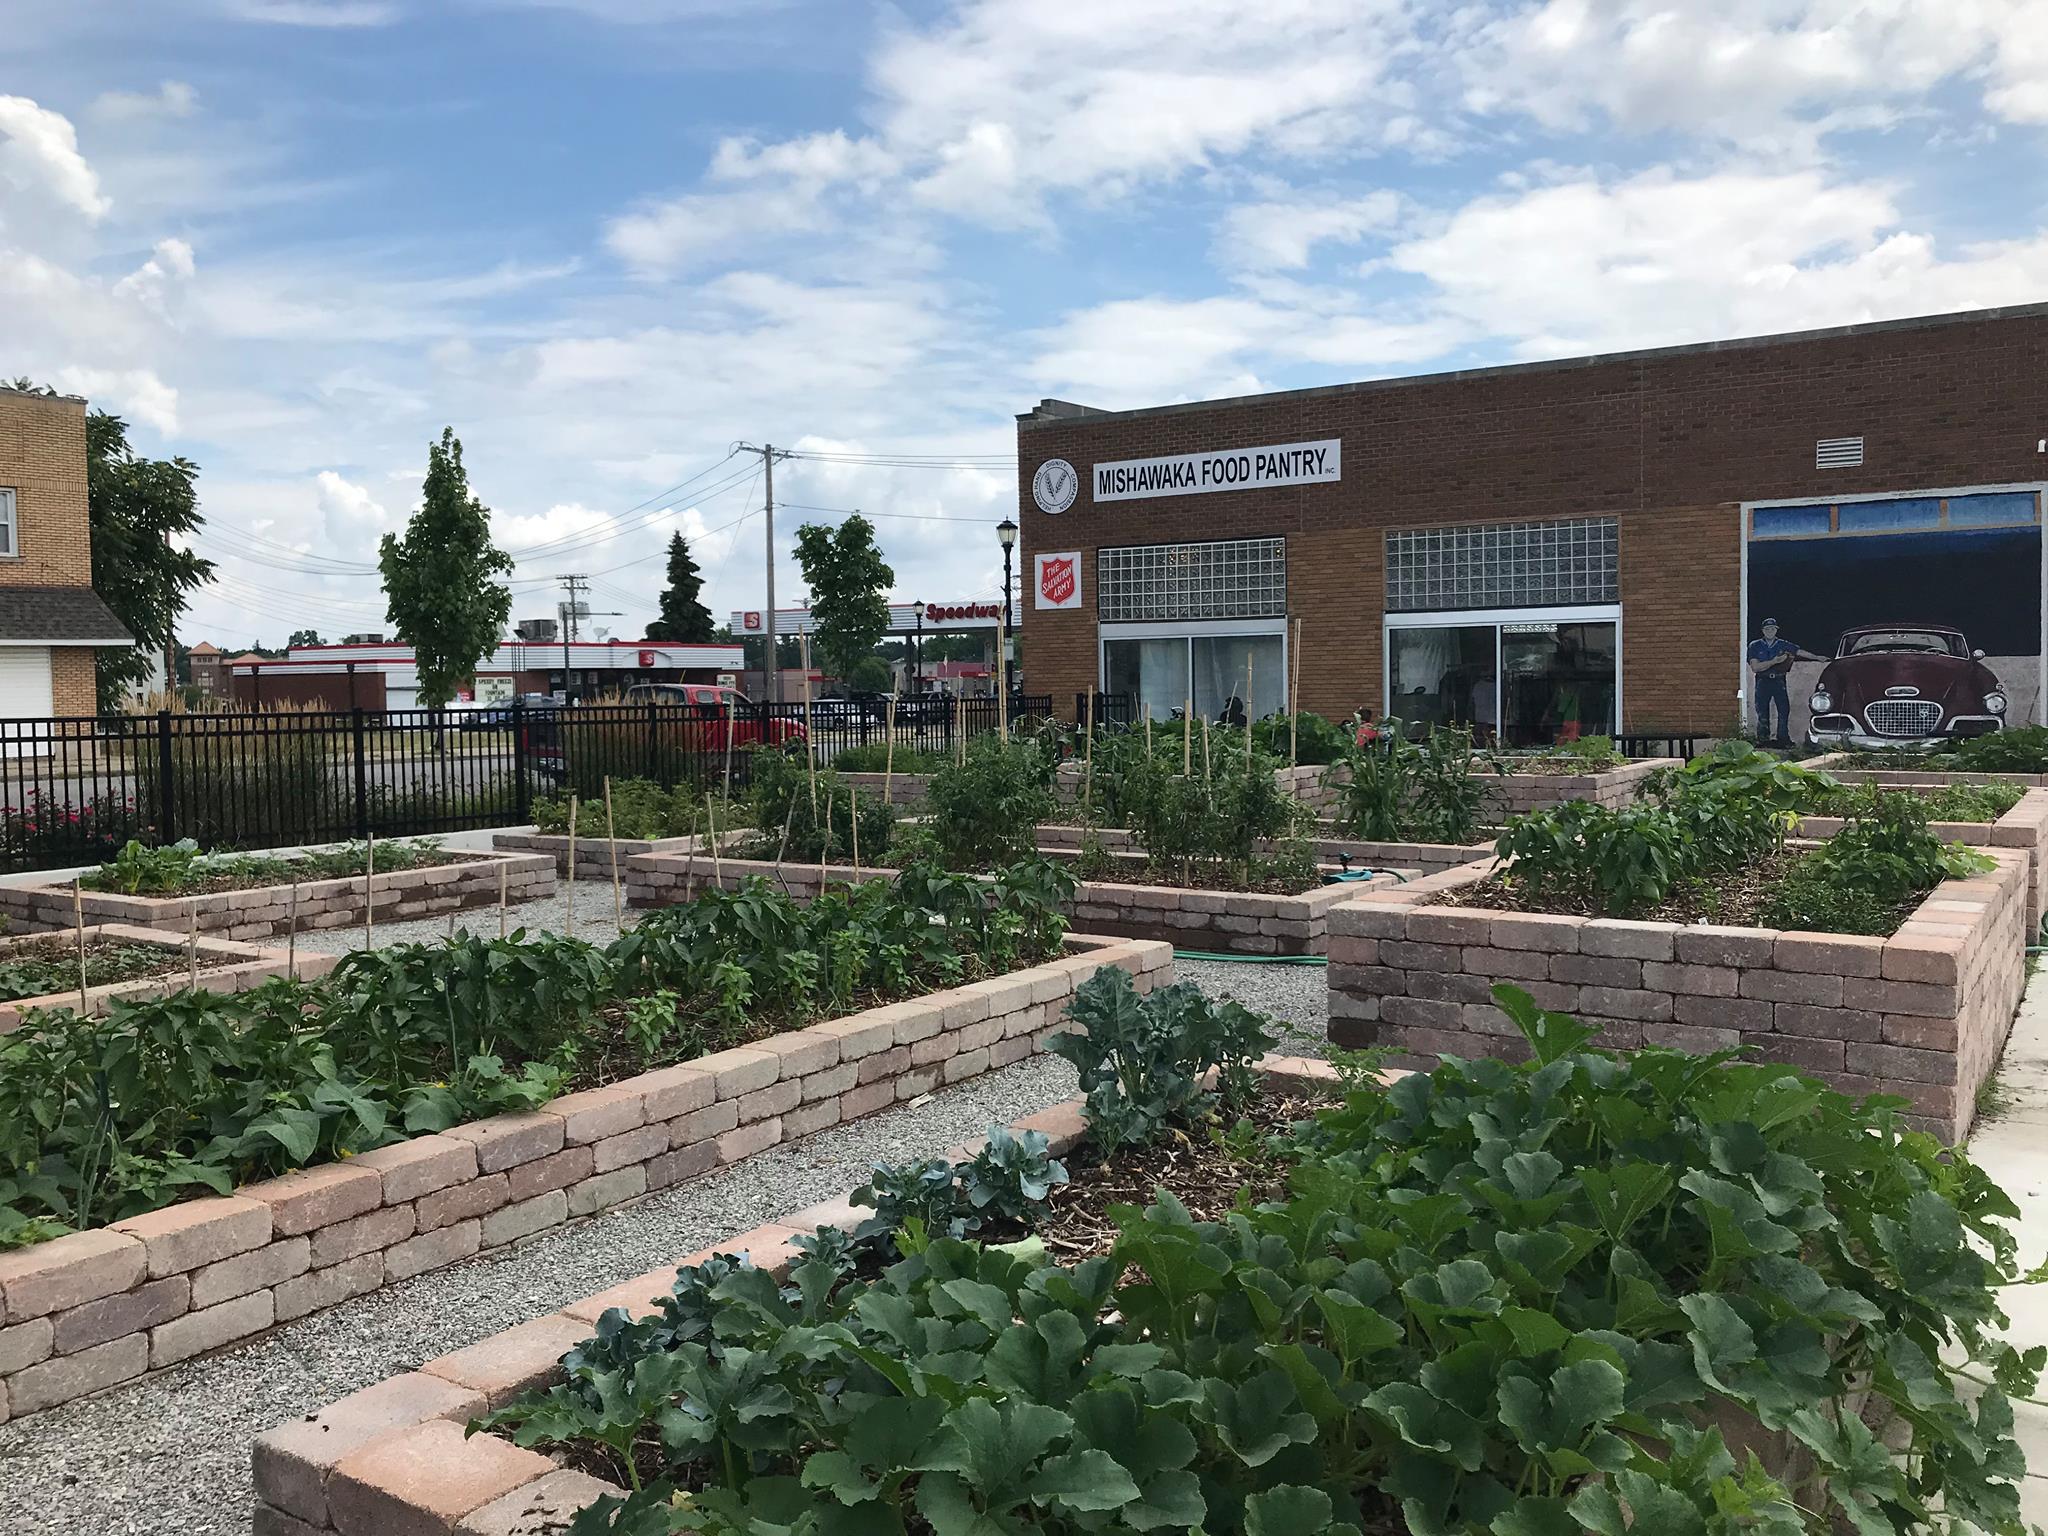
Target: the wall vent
(1838, 453)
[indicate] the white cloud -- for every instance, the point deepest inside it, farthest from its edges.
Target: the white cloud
(136, 392)
(150, 284)
(313, 13)
(173, 98)
(1283, 234)
(39, 152)
(350, 516)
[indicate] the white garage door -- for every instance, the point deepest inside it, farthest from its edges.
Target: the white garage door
(25, 682)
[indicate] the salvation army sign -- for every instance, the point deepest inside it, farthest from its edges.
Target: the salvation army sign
(1059, 580)
(1233, 469)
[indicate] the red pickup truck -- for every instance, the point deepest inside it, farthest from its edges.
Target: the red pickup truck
(691, 716)
(711, 703)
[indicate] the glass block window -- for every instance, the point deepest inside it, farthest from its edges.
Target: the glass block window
(1228, 579)
(1503, 565)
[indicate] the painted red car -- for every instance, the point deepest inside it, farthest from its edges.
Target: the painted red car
(1904, 685)
(714, 705)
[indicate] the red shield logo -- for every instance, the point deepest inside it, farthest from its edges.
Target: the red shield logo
(1056, 580)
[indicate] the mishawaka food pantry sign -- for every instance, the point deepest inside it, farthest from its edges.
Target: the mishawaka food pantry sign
(1234, 469)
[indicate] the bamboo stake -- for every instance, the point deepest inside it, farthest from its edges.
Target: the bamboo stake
(1148, 730)
(612, 843)
(569, 919)
(711, 821)
(502, 914)
(1207, 777)
(191, 949)
(853, 800)
(78, 927)
(1088, 764)
(960, 729)
(825, 842)
(370, 889)
(1294, 701)
(1187, 738)
(889, 758)
(690, 869)
(810, 736)
(718, 864)
(1002, 682)
(291, 943)
(782, 849)
(728, 746)
(1247, 714)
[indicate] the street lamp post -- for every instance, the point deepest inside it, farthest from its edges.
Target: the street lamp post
(917, 654)
(1006, 535)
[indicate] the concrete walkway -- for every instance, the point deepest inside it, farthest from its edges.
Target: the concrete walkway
(2011, 1145)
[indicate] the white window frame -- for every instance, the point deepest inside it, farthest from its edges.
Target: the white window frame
(10, 519)
(1188, 630)
(1475, 618)
(1836, 498)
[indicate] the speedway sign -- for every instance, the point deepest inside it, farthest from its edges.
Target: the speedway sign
(1231, 469)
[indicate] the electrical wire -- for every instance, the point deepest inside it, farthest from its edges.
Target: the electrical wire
(911, 517)
(553, 548)
(878, 461)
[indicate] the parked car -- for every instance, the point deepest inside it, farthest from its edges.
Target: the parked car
(713, 704)
(1904, 685)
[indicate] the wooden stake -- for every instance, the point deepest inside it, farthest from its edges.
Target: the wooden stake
(690, 869)
(1148, 730)
(501, 899)
(853, 800)
(291, 942)
(889, 758)
(960, 729)
(78, 926)
(569, 920)
(728, 746)
(810, 737)
(1187, 738)
(1206, 776)
(718, 864)
(1294, 700)
(612, 843)
(1088, 759)
(370, 890)
(191, 949)
(1247, 714)
(1002, 683)
(825, 842)
(711, 819)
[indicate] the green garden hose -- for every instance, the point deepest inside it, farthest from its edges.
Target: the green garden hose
(1203, 954)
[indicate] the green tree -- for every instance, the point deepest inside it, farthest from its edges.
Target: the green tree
(849, 582)
(440, 584)
(305, 637)
(870, 674)
(684, 618)
(137, 506)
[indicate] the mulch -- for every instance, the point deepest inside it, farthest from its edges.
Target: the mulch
(1737, 897)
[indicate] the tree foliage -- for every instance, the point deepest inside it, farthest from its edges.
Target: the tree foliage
(304, 637)
(440, 579)
(849, 582)
(137, 506)
(684, 618)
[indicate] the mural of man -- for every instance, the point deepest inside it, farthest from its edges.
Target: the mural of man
(1770, 660)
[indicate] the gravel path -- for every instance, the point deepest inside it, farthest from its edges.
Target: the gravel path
(171, 1454)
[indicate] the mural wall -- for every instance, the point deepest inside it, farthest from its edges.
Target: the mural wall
(1898, 621)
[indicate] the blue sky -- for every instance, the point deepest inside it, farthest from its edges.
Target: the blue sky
(603, 239)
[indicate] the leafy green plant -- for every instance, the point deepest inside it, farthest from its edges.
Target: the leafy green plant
(180, 868)
(1214, 820)
(2021, 749)
(802, 825)
(1624, 861)
(985, 810)
(40, 969)
(1010, 1178)
(1943, 802)
(874, 757)
(1426, 788)
(1007, 1181)
(1141, 1059)
(1666, 1294)
(1861, 879)
(641, 808)
(1316, 739)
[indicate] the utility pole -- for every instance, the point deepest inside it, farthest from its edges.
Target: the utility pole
(572, 589)
(768, 458)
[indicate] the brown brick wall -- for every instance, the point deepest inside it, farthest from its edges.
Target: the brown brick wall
(42, 457)
(74, 688)
(1668, 443)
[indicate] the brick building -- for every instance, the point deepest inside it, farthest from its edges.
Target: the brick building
(1553, 548)
(52, 623)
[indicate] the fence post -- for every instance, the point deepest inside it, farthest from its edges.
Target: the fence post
(362, 768)
(166, 792)
(522, 787)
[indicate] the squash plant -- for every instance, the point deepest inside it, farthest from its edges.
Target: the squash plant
(1680, 1295)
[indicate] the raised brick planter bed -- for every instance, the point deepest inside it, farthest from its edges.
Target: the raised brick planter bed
(593, 854)
(1512, 793)
(392, 1459)
(88, 1311)
(473, 881)
(225, 965)
(906, 790)
(1223, 921)
(1316, 785)
(1328, 849)
(1922, 1014)
(1836, 764)
(2024, 827)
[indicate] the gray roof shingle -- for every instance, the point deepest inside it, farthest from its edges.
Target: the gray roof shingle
(59, 615)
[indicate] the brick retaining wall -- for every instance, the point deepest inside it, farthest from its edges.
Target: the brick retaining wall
(906, 790)
(1252, 924)
(1833, 765)
(593, 854)
(1511, 794)
(394, 1458)
(1922, 1014)
(472, 881)
(1329, 849)
(87, 1311)
(225, 965)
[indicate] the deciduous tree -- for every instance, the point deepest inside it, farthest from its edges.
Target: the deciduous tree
(849, 582)
(441, 580)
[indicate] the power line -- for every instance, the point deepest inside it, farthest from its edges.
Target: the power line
(621, 527)
(912, 517)
(877, 461)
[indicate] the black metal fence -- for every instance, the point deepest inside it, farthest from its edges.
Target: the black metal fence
(73, 791)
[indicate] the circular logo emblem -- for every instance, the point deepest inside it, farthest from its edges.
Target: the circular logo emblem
(1055, 486)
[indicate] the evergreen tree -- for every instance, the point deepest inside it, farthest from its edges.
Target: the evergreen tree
(439, 580)
(684, 618)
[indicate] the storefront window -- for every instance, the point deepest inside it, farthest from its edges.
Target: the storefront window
(1245, 668)
(1444, 675)
(1154, 673)
(1558, 681)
